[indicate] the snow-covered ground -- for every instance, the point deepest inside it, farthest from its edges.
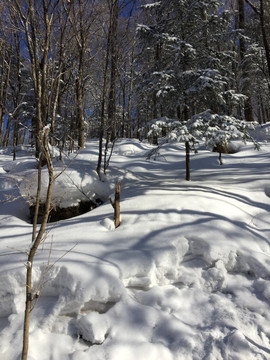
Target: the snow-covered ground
(186, 275)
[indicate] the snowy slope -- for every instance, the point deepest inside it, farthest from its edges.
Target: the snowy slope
(185, 276)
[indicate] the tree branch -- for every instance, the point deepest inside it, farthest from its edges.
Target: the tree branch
(253, 7)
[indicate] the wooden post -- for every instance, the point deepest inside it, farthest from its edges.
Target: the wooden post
(116, 204)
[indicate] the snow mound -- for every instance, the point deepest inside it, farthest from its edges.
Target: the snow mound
(21, 165)
(69, 189)
(93, 327)
(130, 147)
(12, 293)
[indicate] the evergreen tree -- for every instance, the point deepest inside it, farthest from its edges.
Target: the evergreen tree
(191, 59)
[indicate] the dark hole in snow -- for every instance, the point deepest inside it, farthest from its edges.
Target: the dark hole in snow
(58, 213)
(89, 343)
(98, 306)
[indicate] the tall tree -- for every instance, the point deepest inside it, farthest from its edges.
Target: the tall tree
(263, 11)
(5, 65)
(265, 21)
(114, 80)
(82, 20)
(37, 21)
(248, 109)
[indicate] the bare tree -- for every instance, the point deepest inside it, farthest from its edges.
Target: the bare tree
(118, 58)
(81, 20)
(37, 238)
(109, 82)
(103, 105)
(5, 69)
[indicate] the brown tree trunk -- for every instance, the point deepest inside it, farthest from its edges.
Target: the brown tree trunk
(114, 73)
(79, 80)
(111, 133)
(248, 110)
(102, 112)
(131, 81)
(187, 161)
(264, 33)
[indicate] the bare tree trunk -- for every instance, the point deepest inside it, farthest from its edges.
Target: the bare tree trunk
(187, 160)
(35, 244)
(2, 88)
(111, 58)
(79, 80)
(131, 81)
(7, 132)
(81, 26)
(80, 118)
(248, 110)
(102, 114)
(114, 12)
(117, 205)
(220, 158)
(17, 92)
(36, 72)
(106, 151)
(35, 218)
(4, 96)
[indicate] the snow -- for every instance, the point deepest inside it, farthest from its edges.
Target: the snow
(71, 187)
(184, 277)
(151, 5)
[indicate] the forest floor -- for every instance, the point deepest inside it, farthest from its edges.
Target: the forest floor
(186, 276)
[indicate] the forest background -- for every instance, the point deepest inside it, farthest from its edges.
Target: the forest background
(109, 69)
